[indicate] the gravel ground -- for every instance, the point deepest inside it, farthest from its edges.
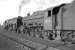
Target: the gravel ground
(7, 44)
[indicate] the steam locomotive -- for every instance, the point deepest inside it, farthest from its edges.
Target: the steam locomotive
(49, 24)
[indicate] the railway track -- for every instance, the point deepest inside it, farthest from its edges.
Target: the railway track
(30, 42)
(31, 45)
(16, 41)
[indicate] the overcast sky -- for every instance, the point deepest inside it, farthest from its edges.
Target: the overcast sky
(10, 8)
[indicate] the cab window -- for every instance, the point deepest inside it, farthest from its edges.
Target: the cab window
(49, 13)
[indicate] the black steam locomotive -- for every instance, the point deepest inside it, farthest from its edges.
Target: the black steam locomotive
(47, 24)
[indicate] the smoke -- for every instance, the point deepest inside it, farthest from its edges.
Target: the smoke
(29, 6)
(23, 2)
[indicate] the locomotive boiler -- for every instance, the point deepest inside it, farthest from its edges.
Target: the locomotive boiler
(39, 22)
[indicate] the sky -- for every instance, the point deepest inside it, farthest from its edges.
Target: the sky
(13, 8)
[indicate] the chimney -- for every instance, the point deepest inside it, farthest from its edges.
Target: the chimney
(28, 14)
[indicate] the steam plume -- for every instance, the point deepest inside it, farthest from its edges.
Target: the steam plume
(23, 2)
(35, 5)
